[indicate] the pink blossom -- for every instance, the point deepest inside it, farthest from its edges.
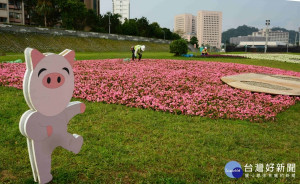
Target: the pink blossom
(186, 87)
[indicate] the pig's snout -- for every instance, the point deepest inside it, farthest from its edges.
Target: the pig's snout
(53, 80)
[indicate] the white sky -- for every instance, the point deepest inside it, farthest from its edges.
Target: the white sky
(282, 13)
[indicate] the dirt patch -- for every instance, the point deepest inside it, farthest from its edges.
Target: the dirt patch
(6, 174)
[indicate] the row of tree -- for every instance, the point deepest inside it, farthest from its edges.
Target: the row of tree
(73, 14)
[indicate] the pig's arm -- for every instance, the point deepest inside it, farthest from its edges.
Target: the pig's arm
(73, 109)
(30, 126)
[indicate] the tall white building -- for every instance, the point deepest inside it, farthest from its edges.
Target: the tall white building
(206, 26)
(122, 7)
(209, 28)
(185, 25)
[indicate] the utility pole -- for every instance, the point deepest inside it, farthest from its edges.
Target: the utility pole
(299, 37)
(267, 34)
(109, 23)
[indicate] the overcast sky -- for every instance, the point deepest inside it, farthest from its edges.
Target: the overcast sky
(282, 13)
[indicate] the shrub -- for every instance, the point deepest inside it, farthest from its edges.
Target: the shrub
(179, 47)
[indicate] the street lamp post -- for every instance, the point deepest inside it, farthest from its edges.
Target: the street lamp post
(299, 37)
(109, 23)
(267, 34)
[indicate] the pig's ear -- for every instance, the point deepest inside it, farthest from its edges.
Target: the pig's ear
(33, 57)
(69, 55)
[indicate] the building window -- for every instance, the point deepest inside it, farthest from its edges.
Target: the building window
(14, 4)
(15, 17)
(3, 6)
(95, 5)
(3, 19)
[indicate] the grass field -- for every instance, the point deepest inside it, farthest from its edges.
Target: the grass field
(129, 145)
(10, 42)
(165, 55)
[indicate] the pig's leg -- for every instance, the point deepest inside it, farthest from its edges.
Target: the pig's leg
(32, 161)
(72, 142)
(43, 162)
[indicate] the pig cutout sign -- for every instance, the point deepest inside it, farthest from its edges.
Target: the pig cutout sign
(48, 87)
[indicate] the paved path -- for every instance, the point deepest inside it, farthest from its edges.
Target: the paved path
(273, 84)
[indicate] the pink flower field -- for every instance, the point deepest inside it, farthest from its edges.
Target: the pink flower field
(181, 87)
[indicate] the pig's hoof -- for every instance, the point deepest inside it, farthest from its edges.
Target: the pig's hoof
(45, 179)
(76, 143)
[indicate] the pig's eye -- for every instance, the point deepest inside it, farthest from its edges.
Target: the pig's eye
(67, 70)
(41, 70)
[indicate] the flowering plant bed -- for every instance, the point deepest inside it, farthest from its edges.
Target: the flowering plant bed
(220, 56)
(289, 58)
(181, 87)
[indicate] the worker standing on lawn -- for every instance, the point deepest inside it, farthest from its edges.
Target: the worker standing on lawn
(137, 50)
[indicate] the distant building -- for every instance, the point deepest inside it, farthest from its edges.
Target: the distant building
(12, 11)
(185, 25)
(250, 38)
(261, 43)
(276, 38)
(92, 5)
(122, 7)
(206, 26)
(209, 28)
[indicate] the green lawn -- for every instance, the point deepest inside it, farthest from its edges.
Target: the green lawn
(129, 145)
(165, 55)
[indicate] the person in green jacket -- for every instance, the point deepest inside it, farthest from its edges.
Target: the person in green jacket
(204, 52)
(137, 50)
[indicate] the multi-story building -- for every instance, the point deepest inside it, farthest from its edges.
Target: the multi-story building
(278, 37)
(250, 38)
(209, 28)
(122, 7)
(12, 11)
(93, 5)
(185, 25)
(206, 26)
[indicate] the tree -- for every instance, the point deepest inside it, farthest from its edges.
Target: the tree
(239, 31)
(130, 27)
(115, 23)
(155, 31)
(179, 47)
(44, 8)
(73, 14)
(194, 40)
(92, 21)
(143, 27)
(175, 36)
(29, 6)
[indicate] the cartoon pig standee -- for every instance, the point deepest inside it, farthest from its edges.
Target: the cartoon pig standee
(48, 87)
